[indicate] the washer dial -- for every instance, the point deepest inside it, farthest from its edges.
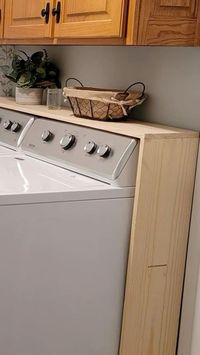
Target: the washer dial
(90, 147)
(7, 124)
(104, 151)
(15, 127)
(67, 141)
(47, 135)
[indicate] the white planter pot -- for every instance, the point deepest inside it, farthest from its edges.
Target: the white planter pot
(28, 96)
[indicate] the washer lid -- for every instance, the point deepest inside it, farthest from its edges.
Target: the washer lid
(7, 151)
(27, 180)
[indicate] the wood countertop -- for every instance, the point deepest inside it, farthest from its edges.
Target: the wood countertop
(131, 128)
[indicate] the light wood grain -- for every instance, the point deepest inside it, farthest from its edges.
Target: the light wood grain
(91, 19)
(137, 129)
(161, 217)
(153, 309)
(23, 19)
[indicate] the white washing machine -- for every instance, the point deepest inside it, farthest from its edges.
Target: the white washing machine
(65, 220)
(13, 127)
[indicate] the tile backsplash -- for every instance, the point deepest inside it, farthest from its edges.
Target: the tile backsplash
(6, 86)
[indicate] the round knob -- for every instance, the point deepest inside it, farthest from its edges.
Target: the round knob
(67, 141)
(90, 147)
(104, 151)
(47, 135)
(15, 127)
(7, 124)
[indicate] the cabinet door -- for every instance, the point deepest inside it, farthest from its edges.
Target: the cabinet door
(1, 17)
(23, 19)
(168, 22)
(89, 18)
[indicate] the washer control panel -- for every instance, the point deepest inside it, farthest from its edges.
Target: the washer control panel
(92, 152)
(11, 126)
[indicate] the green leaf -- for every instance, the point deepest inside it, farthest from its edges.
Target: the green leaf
(18, 64)
(37, 57)
(41, 72)
(52, 74)
(13, 76)
(26, 80)
(32, 71)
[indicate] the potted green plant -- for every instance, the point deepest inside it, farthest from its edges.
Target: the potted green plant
(31, 74)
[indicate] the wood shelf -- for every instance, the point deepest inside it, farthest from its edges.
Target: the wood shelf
(137, 129)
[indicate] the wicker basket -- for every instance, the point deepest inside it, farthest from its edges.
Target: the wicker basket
(101, 104)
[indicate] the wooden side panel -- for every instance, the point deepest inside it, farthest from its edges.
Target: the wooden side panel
(87, 19)
(153, 309)
(168, 22)
(159, 238)
(23, 19)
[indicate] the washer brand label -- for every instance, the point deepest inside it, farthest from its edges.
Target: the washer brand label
(31, 145)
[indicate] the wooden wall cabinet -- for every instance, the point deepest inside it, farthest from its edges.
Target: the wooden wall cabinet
(23, 19)
(64, 19)
(164, 22)
(89, 19)
(133, 22)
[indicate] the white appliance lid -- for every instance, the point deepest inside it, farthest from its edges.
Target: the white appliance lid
(27, 180)
(7, 151)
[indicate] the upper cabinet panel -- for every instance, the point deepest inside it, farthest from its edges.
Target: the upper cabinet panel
(168, 22)
(23, 19)
(89, 18)
(174, 8)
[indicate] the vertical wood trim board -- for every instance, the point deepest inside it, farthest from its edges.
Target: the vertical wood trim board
(161, 217)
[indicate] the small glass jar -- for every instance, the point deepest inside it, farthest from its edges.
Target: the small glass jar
(54, 97)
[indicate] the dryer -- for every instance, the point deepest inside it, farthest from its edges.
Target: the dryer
(65, 220)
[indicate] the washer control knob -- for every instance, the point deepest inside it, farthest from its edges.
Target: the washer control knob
(67, 141)
(47, 135)
(7, 124)
(15, 127)
(90, 147)
(104, 151)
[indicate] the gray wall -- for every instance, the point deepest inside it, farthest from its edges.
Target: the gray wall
(172, 77)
